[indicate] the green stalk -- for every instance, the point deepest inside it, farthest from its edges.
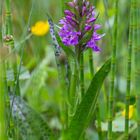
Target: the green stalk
(91, 62)
(82, 74)
(82, 88)
(9, 41)
(98, 117)
(3, 130)
(12, 61)
(137, 63)
(3, 86)
(1, 4)
(129, 71)
(8, 18)
(113, 70)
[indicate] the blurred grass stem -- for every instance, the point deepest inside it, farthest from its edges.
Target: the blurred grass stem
(129, 71)
(113, 71)
(137, 61)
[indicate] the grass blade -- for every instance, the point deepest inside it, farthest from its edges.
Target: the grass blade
(113, 73)
(3, 135)
(137, 63)
(129, 71)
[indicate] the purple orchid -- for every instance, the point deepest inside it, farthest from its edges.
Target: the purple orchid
(71, 31)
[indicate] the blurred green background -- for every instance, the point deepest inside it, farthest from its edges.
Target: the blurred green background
(40, 83)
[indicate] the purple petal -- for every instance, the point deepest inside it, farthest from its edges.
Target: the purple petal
(71, 4)
(68, 18)
(97, 36)
(87, 3)
(84, 10)
(92, 44)
(69, 13)
(97, 27)
(91, 20)
(70, 33)
(88, 27)
(96, 49)
(91, 9)
(62, 21)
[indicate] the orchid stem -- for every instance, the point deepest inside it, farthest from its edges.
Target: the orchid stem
(91, 66)
(82, 74)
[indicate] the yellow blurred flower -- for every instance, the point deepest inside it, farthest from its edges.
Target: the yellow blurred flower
(131, 111)
(40, 28)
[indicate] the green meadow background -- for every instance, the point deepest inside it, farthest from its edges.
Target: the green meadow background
(39, 83)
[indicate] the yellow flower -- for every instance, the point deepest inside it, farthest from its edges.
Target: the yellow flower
(131, 111)
(40, 28)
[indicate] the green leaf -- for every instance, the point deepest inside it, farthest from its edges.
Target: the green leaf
(29, 122)
(86, 108)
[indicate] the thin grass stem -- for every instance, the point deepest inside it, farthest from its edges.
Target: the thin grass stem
(129, 71)
(3, 124)
(137, 62)
(113, 70)
(9, 41)
(8, 17)
(82, 74)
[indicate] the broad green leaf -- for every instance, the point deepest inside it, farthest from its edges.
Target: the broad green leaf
(30, 123)
(86, 108)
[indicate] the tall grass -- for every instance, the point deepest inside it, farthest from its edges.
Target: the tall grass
(129, 69)
(9, 30)
(3, 91)
(136, 26)
(3, 88)
(113, 73)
